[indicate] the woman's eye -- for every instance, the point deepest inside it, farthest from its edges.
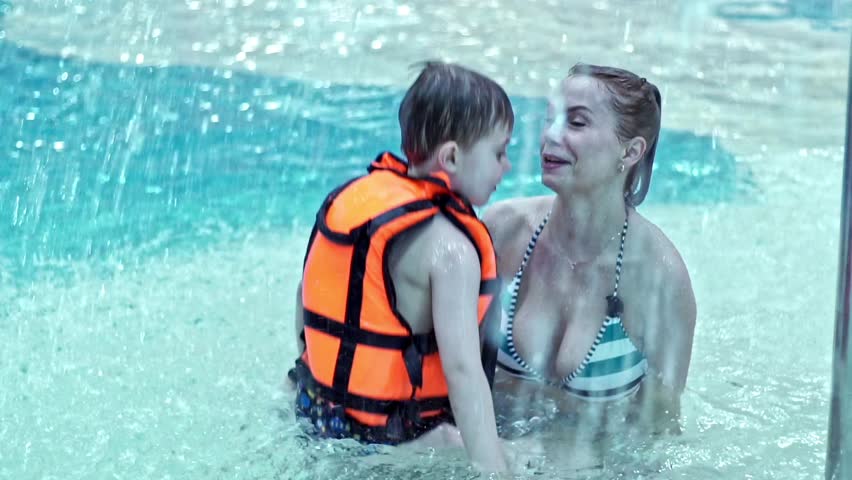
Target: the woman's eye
(577, 121)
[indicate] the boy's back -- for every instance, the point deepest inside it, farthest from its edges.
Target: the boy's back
(420, 255)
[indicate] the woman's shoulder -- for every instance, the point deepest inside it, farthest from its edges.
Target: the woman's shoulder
(513, 216)
(655, 247)
(663, 267)
(511, 223)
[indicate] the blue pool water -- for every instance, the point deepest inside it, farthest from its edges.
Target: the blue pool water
(153, 219)
(119, 160)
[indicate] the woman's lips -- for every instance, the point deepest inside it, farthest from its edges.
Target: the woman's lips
(549, 161)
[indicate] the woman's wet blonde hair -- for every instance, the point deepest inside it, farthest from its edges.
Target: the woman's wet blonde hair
(637, 105)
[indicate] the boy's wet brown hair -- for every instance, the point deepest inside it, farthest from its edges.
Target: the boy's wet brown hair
(448, 102)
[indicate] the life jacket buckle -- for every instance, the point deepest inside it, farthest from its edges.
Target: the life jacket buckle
(394, 428)
(411, 411)
(404, 415)
(414, 364)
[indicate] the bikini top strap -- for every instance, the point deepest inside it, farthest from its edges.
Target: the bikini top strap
(531, 246)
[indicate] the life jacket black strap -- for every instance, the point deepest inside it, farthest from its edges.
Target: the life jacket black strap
(321, 225)
(411, 408)
(423, 343)
(369, 227)
(491, 287)
(490, 329)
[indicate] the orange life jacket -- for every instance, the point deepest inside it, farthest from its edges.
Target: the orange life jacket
(360, 353)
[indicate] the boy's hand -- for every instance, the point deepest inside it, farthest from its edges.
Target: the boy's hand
(289, 383)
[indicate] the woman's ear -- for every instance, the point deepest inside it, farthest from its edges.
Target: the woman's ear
(447, 156)
(634, 151)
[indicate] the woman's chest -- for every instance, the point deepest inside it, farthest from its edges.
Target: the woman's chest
(557, 317)
(560, 314)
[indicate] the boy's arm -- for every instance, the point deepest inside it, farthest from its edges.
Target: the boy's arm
(454, 278)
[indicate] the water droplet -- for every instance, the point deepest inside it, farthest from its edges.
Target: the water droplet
(250, 44)
(274, 48)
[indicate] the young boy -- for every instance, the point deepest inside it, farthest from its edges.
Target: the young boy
(400, 274)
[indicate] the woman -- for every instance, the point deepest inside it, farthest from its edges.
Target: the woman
(600, 304)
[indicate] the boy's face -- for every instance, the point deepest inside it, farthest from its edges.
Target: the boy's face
(481, 166)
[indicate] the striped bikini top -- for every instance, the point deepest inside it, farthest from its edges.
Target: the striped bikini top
(612, 369)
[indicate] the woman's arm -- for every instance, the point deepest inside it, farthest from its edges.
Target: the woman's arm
(668, 339)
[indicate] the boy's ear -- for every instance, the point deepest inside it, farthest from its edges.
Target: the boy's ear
(634, 150)
(446, 154)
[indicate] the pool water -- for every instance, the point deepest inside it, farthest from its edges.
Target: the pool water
(162, 162)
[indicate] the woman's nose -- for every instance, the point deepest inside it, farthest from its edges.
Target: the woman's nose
(553, 131)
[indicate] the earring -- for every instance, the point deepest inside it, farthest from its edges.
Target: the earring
(621, 167)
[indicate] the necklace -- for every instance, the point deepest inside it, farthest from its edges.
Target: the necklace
(575, 263)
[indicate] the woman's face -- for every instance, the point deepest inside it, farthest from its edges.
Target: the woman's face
(579, 147)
